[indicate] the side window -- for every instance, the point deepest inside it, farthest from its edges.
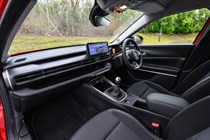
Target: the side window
(175, 29)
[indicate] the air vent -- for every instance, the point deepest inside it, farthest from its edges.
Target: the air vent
(28, 77)
(20, 60)
(104, 57)
(88, 61)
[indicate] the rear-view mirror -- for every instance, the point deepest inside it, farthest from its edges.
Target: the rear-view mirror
(102, 21)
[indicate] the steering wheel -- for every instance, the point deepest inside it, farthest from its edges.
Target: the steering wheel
(132, 57)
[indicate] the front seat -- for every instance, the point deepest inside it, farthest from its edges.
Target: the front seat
(192, 88)
(192, 123)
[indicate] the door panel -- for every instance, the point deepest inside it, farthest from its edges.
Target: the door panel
(162, 63)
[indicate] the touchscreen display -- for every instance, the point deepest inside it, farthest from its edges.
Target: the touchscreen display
(96, 49)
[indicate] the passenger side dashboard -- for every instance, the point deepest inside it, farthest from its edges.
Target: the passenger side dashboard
(32, 77)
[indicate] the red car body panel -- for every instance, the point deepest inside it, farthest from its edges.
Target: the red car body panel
(3, 4)
(201, 32)
(3, 134)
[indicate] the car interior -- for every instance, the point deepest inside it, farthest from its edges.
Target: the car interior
(116, 91)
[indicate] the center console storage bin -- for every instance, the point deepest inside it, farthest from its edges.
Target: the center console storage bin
(166, 105)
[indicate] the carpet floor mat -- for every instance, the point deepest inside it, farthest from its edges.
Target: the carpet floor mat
(58, 119)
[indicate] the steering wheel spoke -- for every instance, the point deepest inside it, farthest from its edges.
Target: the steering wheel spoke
(128, 55)
(135, 65)
(139, 53)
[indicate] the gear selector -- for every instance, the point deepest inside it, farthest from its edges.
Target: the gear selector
(109, 89)
(116, 88)
(118, 81)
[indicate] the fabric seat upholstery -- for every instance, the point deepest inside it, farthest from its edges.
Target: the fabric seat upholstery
(192, 88)
(192, 123)
(144, 88)
(113, 125)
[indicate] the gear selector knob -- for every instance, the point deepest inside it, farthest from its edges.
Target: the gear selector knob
(117, 81)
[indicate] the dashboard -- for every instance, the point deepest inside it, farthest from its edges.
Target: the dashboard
(32, 77)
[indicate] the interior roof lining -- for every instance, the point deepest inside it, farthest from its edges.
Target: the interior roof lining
(165, 2)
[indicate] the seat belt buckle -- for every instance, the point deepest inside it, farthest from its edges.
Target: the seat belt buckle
(156, 128)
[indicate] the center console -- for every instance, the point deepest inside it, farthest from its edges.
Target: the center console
(157, 107)
(108, 89)
(114, 93)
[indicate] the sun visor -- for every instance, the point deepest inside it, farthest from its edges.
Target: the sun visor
(150, 7)
(146, 6)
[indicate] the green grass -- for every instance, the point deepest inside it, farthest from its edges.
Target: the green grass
(24, 43)
(168, 39)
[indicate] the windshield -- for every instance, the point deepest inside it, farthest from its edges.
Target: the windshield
(59, 23)
(128, 18)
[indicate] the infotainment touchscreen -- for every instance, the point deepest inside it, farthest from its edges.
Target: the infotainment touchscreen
(97, 49)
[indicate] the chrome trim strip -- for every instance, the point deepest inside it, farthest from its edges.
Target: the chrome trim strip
(159, 73)
(8, 79)
(170, 58)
